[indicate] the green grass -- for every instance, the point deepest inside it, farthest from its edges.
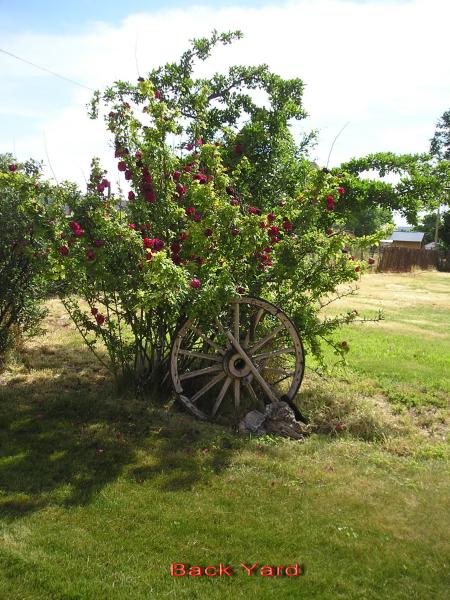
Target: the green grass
(99, 493)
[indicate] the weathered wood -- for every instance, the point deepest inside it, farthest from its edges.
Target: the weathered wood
(234, 359)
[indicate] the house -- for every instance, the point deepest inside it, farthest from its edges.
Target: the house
(407, 239)
(430, 246)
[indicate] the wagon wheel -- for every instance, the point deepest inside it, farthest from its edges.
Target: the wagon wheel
(250, 353)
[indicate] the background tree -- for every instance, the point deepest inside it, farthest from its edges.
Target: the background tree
(440, 142)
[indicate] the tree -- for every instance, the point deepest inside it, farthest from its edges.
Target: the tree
(427, 225)
(445, 230)
(440, 142)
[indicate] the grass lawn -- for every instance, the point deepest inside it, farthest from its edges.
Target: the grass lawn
(100, 493)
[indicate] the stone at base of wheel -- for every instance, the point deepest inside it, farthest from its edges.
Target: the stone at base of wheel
(248, 354)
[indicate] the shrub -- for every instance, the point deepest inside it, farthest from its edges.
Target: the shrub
(218, 200)
(23, 251)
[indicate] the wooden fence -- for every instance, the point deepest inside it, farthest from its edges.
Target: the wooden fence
(403, 260)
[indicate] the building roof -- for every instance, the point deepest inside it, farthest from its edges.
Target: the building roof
(407, 236)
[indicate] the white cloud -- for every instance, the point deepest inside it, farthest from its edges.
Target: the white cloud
(382, 67)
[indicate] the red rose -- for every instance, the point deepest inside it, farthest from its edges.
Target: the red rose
(200, 177)
(273, 230)
(111, 115)
(230, 190)
(181, 190)
(12, 168)
(157, 245)
(189, 146)
(238, 149)
(148, 256)
(341, 191)
(262, 224)
(357, 269)
(128, 175)
(176, 175)
(190, 211)
(121, 165)
(197, 217)
(150, 195)
(371, 261)
(175, 247)
(94, 311)
(195, 283)
(131, 225)
(148, 243)
(100, 319)
(176, 259)
(131, 196)
(271, 218)
(184, 235)
(208, 232)
(78, 233)
(90, 255)
(74, 225)
(157, 94)
(254, 211)
(187, 168)
(63, 250)
(287, 225)
(234, 231)
(234, 202)
(199, 142)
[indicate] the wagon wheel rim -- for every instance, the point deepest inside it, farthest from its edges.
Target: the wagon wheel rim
(232, 358)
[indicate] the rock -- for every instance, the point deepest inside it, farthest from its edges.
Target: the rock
(279, 418)
(253, 422)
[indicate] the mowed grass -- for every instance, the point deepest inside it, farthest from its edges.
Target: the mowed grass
(100, 492)
(408, 354)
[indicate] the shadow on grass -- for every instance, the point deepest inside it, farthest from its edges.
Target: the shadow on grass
(65, 435)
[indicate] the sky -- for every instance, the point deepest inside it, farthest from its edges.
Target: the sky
(381, 68)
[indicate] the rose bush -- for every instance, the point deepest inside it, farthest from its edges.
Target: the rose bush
(217, 200)
(24, 264)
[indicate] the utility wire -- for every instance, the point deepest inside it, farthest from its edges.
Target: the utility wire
(28, 62)
(334, 141)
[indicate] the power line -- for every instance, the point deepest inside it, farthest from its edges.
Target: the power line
(28, 62)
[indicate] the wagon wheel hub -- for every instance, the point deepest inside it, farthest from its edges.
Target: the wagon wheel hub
(235, 366)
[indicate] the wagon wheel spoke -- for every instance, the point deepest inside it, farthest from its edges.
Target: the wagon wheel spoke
(266, 355)
(223, 391)
(236, 319)
(266, 339)
(237, 394)
(207, 387)
(208, 340)
(199, 372)
(253, 395)
(203, 355)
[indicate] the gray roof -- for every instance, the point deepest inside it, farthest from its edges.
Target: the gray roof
(407, 236)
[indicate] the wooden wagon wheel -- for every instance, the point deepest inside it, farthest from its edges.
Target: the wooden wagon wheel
(250, 352)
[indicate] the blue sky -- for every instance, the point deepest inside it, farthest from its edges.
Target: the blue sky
(381, 67)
